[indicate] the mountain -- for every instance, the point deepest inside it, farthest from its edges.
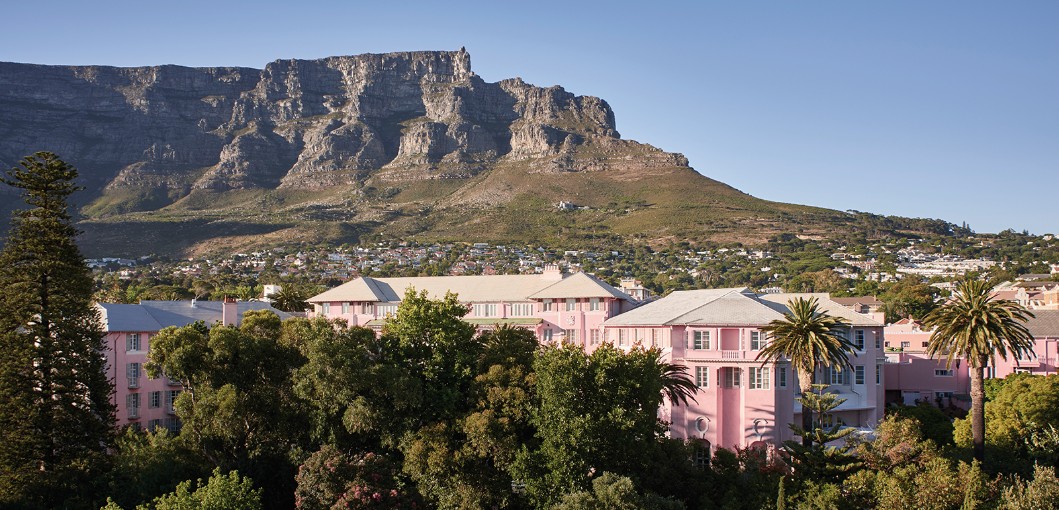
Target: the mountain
(412, 145)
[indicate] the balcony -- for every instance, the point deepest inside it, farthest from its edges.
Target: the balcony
(732, 354)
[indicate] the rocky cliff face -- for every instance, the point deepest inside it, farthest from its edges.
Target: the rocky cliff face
(147, 137)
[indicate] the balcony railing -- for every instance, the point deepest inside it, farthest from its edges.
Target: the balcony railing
(731, 354)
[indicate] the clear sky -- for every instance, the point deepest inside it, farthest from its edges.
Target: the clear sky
(941, 109)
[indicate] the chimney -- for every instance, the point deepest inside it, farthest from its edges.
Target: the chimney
(230, 312)
(552, 272)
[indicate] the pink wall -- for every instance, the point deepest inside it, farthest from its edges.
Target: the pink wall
(118, 360)
(727, 415)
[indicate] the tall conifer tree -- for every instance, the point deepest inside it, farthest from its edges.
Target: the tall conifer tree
(56, 415)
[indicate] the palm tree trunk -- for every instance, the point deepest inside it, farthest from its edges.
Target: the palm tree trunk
(807, 381)
(978, 412)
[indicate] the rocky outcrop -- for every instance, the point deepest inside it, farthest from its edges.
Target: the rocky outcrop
(302, 124)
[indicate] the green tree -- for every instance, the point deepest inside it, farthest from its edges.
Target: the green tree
(809, 338)
(976, 327)
(594, 413)
(290, 298)
(56, 415)
(908, 298)
(220, 492)
(614, 492)
(822, 461)
(238, 408)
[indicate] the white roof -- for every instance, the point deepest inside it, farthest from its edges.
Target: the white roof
(827, 305)
(704, 306)
(732, 306)
(479, 288)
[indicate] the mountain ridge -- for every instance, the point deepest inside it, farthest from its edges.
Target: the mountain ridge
(407, 144)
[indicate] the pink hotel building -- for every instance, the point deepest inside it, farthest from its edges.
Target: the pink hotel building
(912, 375)
(716, 333)
(143, 402)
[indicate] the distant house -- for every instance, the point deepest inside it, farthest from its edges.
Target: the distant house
(911, 375)
(741, 401)
(143, 402)
(867, 305)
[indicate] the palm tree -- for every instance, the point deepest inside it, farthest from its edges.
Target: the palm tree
(290, 298)
(809, 338)
(975, 326)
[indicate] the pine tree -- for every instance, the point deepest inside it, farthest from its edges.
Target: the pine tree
(56, 415)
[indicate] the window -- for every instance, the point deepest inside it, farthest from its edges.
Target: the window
(878, 341)
(154, 399)
(940, 372)
(782, 377)
(654, 338)
(485, 310)
(757, 342)
(759, 378)
(132, 342)
(942, 394)
(926, 344)
(700, 340)
(386, 310)
(905, 345)
(368, 308)
(571, 304)
(132, 372)
(878, 374)
(702, 377)
(546, 335)
(858, 339)
(732, 377)
(621, 337)
(838, 376)
(858, 374)
(325, 309)
(345, 308)
(593, 304)
(132, 405)
(990, 372)
(170, 397)
(595, 337)
(571, 336)
(522, 310)
(546, 305)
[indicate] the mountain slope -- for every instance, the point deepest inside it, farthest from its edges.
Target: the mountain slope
(413, 144)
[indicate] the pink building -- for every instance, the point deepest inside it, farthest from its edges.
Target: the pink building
(557, 307)
(143, 402)
(717, 334)
(911, 375)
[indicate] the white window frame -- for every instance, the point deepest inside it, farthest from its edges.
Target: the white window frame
(782, 376)
(595, 337)
(838, 376)
(345, 308)
(546, 335)
(760, 378)
(132, 342)
(132, 405)
(571, 304)
(702, 377)
(858, 374)
(593, 304)
(757, 341)
(154, 400)
(132, 374)
(858, 339)
(325, 308)
(944, 372)
(700, 340)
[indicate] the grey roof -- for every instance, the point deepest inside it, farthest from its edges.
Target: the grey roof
(155, 315)
(827, 305)
(1045, 324)
(726, 307)
(476, 288)
(703, 306)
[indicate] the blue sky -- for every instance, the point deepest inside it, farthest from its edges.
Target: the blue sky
(942, 109)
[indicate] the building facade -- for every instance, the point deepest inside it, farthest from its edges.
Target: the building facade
(742, 401)
(555, 306)
(913, 376)
(141, 401)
